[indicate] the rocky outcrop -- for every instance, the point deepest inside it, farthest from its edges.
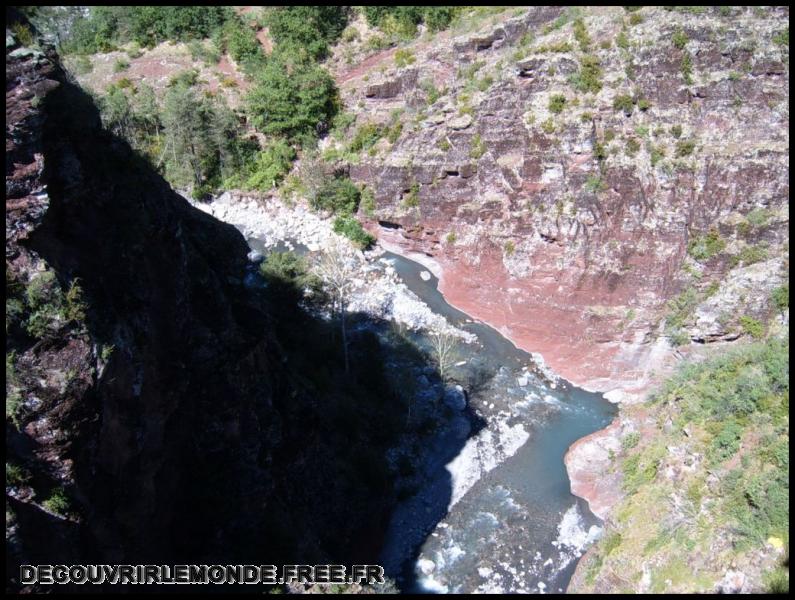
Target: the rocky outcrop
(588, 464)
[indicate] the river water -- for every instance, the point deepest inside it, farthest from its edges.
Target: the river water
(495, 513)
(517, 527)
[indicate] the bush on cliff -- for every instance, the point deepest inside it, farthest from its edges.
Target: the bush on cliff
(338, 195)
(402, 21)
(240, 41)
(351, 228)
(307, 30)
(292, 98)
(270, 166)
(108, 26)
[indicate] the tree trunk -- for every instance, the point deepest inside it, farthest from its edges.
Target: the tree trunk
(344, 337)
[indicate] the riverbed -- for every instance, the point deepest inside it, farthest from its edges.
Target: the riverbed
(517, 527)
(494, 511)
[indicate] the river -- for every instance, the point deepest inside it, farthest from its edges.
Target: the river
(495, 513)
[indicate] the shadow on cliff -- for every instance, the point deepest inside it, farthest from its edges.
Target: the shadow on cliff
(218, 425)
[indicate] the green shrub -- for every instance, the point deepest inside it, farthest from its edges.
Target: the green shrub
(366, 136)
(477, 147)
(432, 91)
(560, 47)
(16, 475)
(635, 19)
(510, 248)
(594, 184)
(678, 337)
(782, 37)
(680, 308)
(74, 308)
(759, 217)
(376, 42)
(685, 147)
(623, 102)
(589, 77)
(632, 147)
(630, 440)
(240, 42)
(676, 131)
(679, 39)
(548, 127)
(403, 58)
(188, 77)
(557, 103)
(622, 41)
(350, 34)
(121, 64)
(146, 25)
(271, 166)
(644, 104)
(368, 201)
(750, 255)
(752, 327)
(403, 20)
(134, 51)
(640, 469)
(307, 31)
(599, 152)
(451, 237)
(687, 68)
(393, 133)
(287, 268)
(780, 297)
(292, 99)
(703, 247)
(610, 542)
(22, 33)
(338, 195)
(351, 228)
(443, 144)
(581, 35)
(777, 581)
(656, 154)
(43, 298)
(412, 200)
(57, 502)
(485, 83)
(727, 442)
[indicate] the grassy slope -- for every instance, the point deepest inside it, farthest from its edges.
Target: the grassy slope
(708, 490)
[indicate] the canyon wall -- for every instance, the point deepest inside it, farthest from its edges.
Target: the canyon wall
(569, 231)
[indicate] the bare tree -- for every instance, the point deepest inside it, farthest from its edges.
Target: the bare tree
(337, 268)
(444, 350)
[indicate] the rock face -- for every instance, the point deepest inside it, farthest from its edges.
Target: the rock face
(588, 461)
(569, 231)
(162, 404)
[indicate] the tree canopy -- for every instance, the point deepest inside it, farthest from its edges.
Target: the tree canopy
(292, 98)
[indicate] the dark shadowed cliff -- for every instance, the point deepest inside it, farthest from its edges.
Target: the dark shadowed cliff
(154, 412)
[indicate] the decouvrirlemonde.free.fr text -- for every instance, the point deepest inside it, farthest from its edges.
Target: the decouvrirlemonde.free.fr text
(199, 574)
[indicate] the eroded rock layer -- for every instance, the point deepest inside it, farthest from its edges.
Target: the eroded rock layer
(569, 230)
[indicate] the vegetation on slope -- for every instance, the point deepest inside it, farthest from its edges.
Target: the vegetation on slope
(709, 480)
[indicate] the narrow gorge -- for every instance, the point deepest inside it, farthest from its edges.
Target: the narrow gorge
(495, 298)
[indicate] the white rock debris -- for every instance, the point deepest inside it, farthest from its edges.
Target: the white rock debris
(378, 290)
